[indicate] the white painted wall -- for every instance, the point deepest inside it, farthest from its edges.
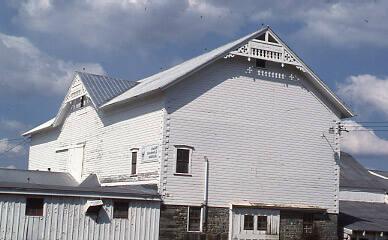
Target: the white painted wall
(108, 138)
(64, 218)
(348, 195)
(261, 133)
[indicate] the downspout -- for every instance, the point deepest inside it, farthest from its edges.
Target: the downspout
(205, 196)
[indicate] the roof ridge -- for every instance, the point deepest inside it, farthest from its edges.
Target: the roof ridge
(105, 76)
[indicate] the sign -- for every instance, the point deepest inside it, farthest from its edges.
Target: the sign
(150, 153)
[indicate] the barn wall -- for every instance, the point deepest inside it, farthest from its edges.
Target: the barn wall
(64, 219)
(348, 195)
(265, 133)
(108, 138)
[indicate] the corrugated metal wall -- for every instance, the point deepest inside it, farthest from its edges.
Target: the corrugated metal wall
(64, 219)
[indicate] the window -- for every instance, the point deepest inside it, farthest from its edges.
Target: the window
(134, 162)
(183, 160)
(34, 206)
(61, 150)
(194, 219)
(307, 224)
(120, 209)
(260, 63)
(80, 102)
(262, 223)
(248, 222)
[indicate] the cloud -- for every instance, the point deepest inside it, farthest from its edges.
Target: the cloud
(10, 147)
(366, 93)
(346, 23)
(117, 23)
(13, 125)
(362, 141)
(113, 24)
(25, 69)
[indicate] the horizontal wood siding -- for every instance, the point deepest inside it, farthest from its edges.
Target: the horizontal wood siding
(108, 137)
(359, 196)
(262, 132)
(64, 218)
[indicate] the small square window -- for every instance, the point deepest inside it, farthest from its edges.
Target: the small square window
(194, 224)
(248, 222)
(260, 63)
(120, 209)
(262, 223)
(183, 160)
(34, 206)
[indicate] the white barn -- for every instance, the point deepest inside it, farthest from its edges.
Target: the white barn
(242, 142)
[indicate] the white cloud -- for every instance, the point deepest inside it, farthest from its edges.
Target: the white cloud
(12, 125)
(366, 93)
(362, 141)
(24, 68)
(10, 147)
(347, 23)
(117, 23)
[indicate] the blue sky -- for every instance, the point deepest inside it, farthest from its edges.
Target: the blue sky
(42, 42)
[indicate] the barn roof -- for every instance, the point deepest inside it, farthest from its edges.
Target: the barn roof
(17, 181)
(101, 88)
(354, 175)
(169, 77)
(363, 216)
(106, 91)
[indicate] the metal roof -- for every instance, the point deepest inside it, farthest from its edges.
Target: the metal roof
(61, 183)
(173, 75)
(163, 79)
(100, 89)
(103, 88)
(363, 216)
(380, 173)
(354, 175)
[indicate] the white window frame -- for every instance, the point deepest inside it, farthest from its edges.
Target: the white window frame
(184, 147)
(200, 220)
(137, 160)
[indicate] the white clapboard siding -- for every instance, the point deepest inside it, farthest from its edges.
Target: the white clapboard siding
(108, 138)
(267, 138)
(64, 219)
(359, 196)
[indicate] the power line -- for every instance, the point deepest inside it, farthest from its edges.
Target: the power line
(12, 147)
(10, 139)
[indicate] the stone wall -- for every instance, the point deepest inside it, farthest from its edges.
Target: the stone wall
(173, 224)
(291, 226)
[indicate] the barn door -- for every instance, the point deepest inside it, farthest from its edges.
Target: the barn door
(255, 224)
(75, 161)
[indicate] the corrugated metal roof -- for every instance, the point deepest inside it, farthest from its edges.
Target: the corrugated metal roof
(103, 88)
(363, 216)
(162, 79)
(354, 175)
(14, 180)
(170, 76)
(380, 172)
(36, 177)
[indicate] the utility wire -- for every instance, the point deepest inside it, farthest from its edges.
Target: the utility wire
(12, 147)
(10, 139)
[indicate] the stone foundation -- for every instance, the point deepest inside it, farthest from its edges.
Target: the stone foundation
(173, 225)
(324, 226)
